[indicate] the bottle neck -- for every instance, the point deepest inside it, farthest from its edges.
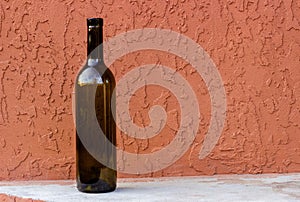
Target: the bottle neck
(95, 43)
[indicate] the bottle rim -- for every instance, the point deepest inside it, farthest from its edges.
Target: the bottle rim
(95, 21)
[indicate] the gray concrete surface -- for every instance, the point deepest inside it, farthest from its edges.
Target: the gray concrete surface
(217, 188)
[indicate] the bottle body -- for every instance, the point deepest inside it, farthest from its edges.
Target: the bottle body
(94, 115)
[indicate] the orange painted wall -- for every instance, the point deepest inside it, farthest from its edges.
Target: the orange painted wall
(255, 45)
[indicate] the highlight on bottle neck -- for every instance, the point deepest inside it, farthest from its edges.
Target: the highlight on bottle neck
(95, 38)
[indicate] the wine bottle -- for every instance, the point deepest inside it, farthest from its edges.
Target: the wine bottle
(94, 117)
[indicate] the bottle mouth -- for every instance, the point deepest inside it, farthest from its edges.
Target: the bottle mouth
(95, 22)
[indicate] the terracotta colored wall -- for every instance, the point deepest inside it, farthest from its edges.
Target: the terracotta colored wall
(7, 198)
(255, 45)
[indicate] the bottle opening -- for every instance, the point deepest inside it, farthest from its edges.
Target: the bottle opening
(95, 22)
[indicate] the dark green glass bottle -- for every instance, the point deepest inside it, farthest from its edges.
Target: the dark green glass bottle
(94, 88)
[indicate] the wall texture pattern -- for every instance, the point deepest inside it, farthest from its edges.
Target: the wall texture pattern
(255, 45)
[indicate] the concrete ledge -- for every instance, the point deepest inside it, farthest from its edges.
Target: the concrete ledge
(279, 187)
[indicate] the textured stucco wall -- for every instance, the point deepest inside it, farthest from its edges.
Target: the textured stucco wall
(8, 198)
(255, 45)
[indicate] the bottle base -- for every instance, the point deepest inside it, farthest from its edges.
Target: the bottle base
(98, 187)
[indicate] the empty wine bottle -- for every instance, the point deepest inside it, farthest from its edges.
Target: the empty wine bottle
(94, 115)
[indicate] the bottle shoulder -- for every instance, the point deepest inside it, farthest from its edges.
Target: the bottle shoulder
(98, 73)
(109, 75)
